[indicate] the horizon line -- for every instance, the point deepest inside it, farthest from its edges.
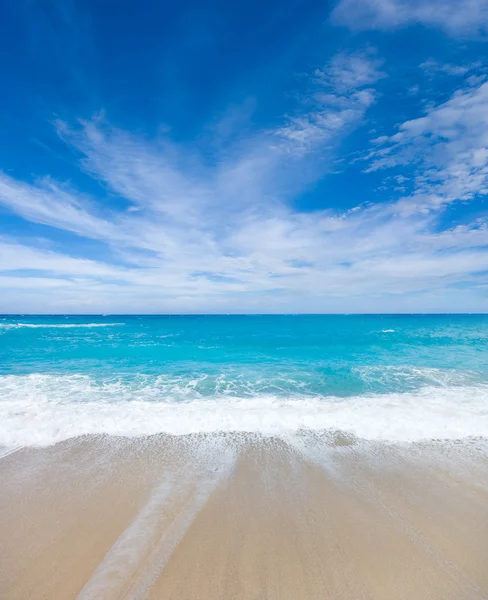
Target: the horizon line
(331, 314)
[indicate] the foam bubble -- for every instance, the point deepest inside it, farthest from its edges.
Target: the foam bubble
(38, 410)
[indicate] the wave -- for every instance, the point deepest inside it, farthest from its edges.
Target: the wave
(410, 377)
(237, 381)
(39, 410)
(55, 325)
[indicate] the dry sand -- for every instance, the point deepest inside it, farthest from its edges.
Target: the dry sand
(243, 517)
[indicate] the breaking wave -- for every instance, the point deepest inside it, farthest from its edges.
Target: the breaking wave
(56, 325)
(39, 410)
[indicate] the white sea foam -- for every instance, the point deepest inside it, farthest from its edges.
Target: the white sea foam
(145, 541)
(55, 325)
(407, 375)
(38, 410)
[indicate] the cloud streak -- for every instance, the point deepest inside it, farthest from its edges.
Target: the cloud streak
(459, 19)
(341, 101)
(188, 236)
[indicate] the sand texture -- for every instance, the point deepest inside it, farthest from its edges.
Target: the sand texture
(244, 517)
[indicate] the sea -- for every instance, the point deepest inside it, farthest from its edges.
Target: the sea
(398, 378)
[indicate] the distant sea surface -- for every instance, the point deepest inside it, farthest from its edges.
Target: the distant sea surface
(396, 378)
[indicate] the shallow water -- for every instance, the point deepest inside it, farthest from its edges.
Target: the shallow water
(395, 378)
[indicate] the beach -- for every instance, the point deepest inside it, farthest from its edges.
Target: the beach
(253, 458)
(244, 516)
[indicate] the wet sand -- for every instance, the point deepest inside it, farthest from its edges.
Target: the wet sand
(244, 517)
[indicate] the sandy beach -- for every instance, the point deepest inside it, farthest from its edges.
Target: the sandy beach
(238, 516)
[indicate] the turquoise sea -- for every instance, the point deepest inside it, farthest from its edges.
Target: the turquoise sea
(398, 378)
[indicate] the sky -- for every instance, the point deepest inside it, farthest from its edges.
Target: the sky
(287, 156)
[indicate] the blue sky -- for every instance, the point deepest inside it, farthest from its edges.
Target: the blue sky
(240, 157)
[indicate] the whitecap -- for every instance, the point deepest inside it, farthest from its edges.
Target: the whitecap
(56, 325)
(38, 410)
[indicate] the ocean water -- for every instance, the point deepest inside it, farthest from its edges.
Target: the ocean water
(396, 378)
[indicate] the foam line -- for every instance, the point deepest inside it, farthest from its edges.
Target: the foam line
(430, 414)
(4, 452)
(55, 325)
(120, 571)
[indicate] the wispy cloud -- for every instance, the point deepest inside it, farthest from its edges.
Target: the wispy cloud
(345, 93)
(266, 264)
(447, 147)
(467, 18)
(433, 67)
(186, 235)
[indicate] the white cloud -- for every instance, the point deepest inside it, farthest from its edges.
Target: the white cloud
(340, 103)
(348, 72)
(466, 18)
(288, 261)
(16, 257)
(50, 203)
(447, 148)
(224, 237)
(432, 67)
